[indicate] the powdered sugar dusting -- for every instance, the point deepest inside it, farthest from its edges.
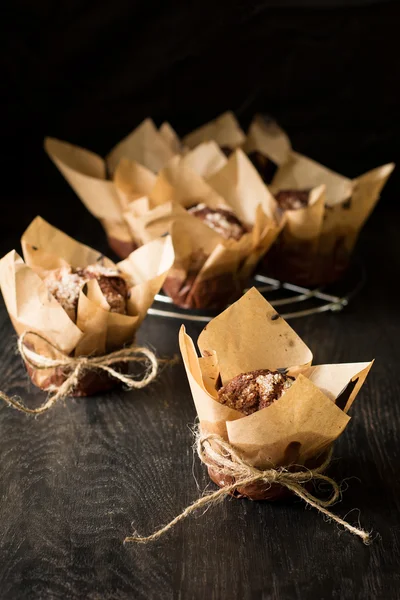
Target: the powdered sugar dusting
(249, 392)
(66, 283)
(221, 220)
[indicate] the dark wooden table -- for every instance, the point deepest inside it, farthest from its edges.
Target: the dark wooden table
(74, 480)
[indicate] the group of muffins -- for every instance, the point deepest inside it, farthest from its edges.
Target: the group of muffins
(230, 201)
(196, 217)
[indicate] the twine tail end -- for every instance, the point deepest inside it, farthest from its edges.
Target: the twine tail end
(230, 462)
(366, 537)
(136, 539)
(15, 402)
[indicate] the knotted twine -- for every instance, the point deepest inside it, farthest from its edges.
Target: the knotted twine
(75, 367)
(219, 455)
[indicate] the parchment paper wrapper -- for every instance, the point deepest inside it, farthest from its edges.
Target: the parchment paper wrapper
(209, 271)
(97, 330)
(86, 172)
(224, 130)
(145, 145)
(172, 139)
(319, 251)
(267, 146)
(298, 428)
(205, 160)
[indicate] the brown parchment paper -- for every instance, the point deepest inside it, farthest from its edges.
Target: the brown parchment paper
(85, 171)
(145, 150)
(242, 187)
(265, 136)
(306, 223)
(145, 145)
(132, 181)
(205, 160)
(306, 419)
(295, 170)
(295, 252)
(316, 243)
(179, 183)
(97, 330)
(224, 130)
(319, 251)
(86, 174)
(300, 173)
(171, 138)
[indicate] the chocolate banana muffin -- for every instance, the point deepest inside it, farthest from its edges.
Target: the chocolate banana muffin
(292, 199)
(255, 390)
(223, 221)
(66, 283)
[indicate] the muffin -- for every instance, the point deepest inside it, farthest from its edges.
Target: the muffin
(70, 300)
(253, 391)
(220, 226)
(93, 177)
(292, 199)
(311, 250)
(221, 220)
(66, 284)
(254, 386)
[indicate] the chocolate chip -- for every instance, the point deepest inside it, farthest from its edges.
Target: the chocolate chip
(35, 248)
(275, 317)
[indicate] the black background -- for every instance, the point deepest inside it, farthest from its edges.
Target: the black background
(89, 71)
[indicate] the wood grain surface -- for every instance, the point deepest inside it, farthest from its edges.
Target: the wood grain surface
(74, 480)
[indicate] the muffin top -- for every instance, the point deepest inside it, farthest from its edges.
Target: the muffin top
(66, 283)
(292, 199)
(255, 390)
(222, 220)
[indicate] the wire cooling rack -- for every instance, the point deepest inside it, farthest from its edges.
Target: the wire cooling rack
(299, 301)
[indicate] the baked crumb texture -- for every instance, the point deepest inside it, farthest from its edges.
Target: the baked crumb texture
(255, 390)
(223, 221)
(292, 199)
(66, 283)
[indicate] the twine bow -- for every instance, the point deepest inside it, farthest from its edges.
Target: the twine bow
(75, 367)
(218, 454)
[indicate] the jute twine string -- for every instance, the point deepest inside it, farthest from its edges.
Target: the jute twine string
(76, 367)
(218, 454)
